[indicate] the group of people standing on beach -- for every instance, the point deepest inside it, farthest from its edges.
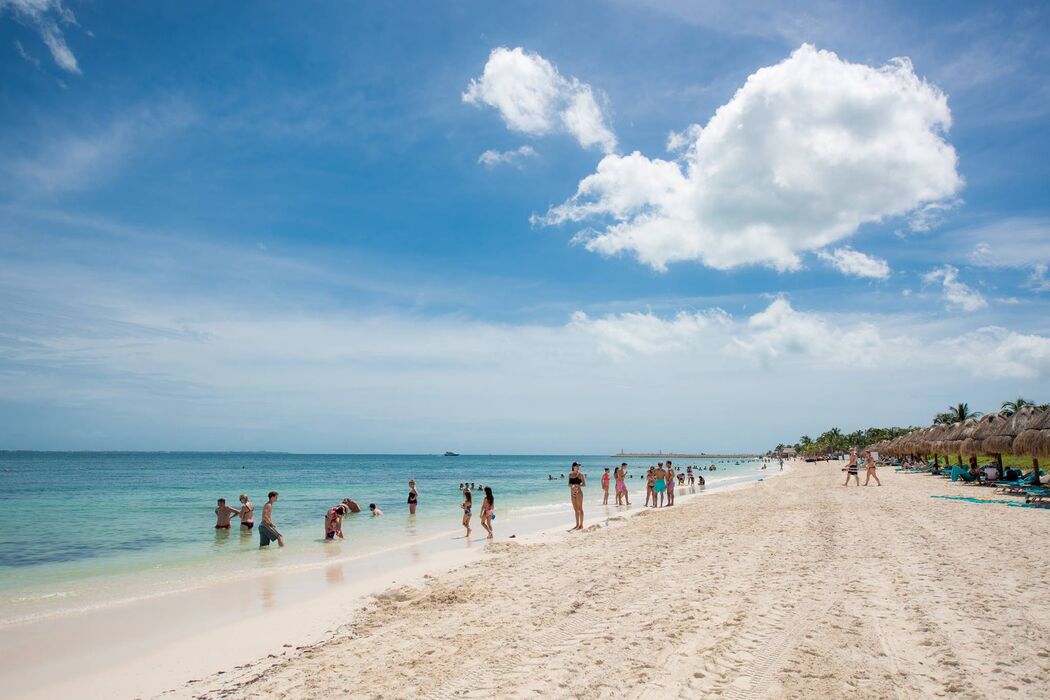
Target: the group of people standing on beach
(659, 491)
(852, 469)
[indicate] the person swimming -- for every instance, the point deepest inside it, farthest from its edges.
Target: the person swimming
(375, 510)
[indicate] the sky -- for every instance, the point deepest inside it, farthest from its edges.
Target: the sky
(540, 227)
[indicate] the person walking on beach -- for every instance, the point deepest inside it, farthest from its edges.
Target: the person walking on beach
(669, 483)
(333, 522)
(466, 505)
(223, 513)
(605, 487)
(851, 468)
(869, 462)
(488, 511)
(577, 480)
(268, 532)
(413, 497)
(247, 514)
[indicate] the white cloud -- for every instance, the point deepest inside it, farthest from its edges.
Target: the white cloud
(997, 352)
(26, 56)
(534, 98)
(47, 16)
(804, 153)
(492, 158)
(646, 333)
(681, 140)
(1037, 281)
(851, 262)
(781, 331)
(956, 294)
(933, 215)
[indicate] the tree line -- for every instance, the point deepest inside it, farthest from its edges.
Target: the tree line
(834, 440)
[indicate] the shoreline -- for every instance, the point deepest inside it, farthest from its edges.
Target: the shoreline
(296, 600)
(862, 592)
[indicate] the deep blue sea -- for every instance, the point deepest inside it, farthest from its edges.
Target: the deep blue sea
(76, 525)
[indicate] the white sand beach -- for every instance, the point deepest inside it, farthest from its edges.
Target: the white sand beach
(791, 587)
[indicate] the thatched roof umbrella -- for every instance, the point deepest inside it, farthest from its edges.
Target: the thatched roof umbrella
(1034, 440)
(971, 444)
(931, 439)
(923, 440)
(951, 440)
(1002, 442)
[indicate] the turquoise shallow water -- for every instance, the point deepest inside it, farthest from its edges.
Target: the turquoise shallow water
(85, 525)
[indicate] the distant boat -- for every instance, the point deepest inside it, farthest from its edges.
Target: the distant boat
(452, 454)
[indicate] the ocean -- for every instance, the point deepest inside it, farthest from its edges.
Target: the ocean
(81, 530)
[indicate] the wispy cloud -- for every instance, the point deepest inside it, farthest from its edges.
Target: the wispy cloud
(48, 18)
(74, 160)
(955, 293)
(492, 158)
(852, 262)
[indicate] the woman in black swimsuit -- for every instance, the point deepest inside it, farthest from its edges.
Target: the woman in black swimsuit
(413, 496)
(577, 480)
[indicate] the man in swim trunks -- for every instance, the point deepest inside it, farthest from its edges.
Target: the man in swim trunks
(605, 487)
(223, 513)
(268, 531)
(247, 513)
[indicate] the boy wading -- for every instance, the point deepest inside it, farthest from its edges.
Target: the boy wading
(268, 532)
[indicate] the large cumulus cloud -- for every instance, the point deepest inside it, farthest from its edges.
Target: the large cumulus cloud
(803, 154)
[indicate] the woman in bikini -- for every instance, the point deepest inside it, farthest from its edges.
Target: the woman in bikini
(333, 522)
(870, 474)
(649, 481)
(621, 487)
(487, 513)
(577, 481)
(247, 514)
(466, 505)
(413, 497)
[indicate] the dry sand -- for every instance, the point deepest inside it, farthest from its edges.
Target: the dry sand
(792, 587)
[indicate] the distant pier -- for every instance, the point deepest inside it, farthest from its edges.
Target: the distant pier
(683, 455)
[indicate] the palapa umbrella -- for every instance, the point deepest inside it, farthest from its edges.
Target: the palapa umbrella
(952, 439)
(971, 444)
(1034, 440)
(988, 427)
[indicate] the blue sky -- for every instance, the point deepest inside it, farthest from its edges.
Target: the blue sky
(258, 226)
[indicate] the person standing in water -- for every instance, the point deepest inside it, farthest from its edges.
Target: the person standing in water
(659, 485)
(669, 480)
(247, 514)
(413, 496)
(621, 485)
(268, 532)
(466, 506)
(577, 480)
(333, 522)
(488, 511)
(223, 513)
(605, 487)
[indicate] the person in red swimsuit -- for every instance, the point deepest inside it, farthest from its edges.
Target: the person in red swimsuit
(223, 513)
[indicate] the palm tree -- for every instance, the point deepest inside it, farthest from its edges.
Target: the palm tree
(1011, 407)
(961, 412)
(944, 418)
